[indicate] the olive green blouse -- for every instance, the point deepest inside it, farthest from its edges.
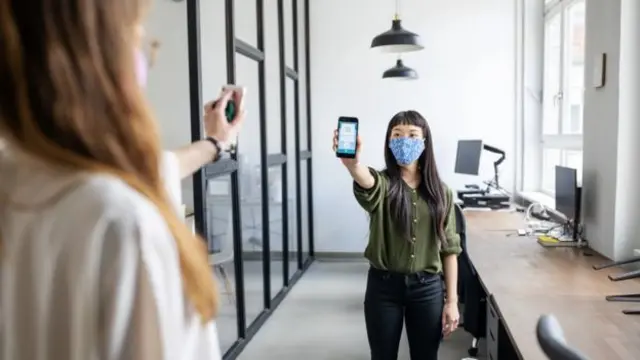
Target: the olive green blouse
(387, 249)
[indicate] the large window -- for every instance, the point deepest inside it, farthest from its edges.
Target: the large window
(563, 91)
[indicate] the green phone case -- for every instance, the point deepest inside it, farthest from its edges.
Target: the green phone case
(230, 111)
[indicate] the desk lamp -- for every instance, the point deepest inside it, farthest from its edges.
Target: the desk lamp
(495, 182)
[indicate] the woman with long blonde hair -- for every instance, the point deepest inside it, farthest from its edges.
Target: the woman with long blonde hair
(95, 262)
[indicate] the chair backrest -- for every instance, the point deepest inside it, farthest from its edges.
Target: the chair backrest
(225, 255)
(552, 342)
(461, 225)
(461, 229)
(466, 271)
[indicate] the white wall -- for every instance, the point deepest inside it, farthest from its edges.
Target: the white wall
(611, 166)
(601, 125)
(628, 171)
(168, 86)
(531, 135)
(465, 90)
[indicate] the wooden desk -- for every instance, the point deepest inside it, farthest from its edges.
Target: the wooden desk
(527, 280)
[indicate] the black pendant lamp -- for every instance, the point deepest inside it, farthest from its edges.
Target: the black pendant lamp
(400, 71)
(397, 40)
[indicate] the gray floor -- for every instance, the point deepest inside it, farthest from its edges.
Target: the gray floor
(254, 298)
(322, 318)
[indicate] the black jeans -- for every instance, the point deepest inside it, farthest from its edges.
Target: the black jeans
(390, 298)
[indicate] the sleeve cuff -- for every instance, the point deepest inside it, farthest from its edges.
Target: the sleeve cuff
(454, 247)
(360, 190)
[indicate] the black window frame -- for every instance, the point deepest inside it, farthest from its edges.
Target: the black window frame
(229, 166)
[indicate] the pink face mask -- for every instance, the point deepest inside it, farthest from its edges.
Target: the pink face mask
(142, 67)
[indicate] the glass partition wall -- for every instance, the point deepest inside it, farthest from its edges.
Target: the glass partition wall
(254, 207)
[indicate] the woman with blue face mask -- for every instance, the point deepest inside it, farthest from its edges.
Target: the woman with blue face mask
(412, 243)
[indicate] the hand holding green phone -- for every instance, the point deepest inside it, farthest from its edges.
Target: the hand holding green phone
(230, 109)
(224, 116)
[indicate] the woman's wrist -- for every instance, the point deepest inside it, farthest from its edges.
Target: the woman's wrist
(451, 300)
(216, 148)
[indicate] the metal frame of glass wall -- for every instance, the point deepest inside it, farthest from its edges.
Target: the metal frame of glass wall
(229, 166)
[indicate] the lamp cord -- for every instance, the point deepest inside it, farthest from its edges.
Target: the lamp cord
(397, 17)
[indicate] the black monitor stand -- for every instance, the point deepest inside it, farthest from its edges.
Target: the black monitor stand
(573, 225)
(474, 196)
(571, 229)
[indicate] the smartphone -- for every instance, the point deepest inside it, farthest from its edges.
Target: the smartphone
(347, 137)
(231, 109)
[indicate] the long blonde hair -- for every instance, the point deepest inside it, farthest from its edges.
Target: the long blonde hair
(69, 96)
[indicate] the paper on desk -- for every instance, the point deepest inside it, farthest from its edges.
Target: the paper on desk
(547, 239)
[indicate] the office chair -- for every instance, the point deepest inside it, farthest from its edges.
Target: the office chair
(224, 257)
(461, 226)
(552, 342)
(616, 263)
(626, 276)
(469, 289)
(464, 267)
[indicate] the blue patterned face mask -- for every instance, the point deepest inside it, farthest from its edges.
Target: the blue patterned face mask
(406, 150)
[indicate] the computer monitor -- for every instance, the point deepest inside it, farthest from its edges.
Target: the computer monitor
(468, 157)
(567, 192)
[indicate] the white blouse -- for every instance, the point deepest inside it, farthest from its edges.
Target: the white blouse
(89, 270)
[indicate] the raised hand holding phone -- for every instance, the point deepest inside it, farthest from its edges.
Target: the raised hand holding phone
(222, 121)
(346, 141)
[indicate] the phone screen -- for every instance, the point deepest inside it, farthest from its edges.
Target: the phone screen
(347, 136)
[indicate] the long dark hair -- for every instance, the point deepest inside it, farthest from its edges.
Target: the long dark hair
(430, 188)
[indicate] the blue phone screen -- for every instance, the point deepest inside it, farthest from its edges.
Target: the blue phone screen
(347, 135)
